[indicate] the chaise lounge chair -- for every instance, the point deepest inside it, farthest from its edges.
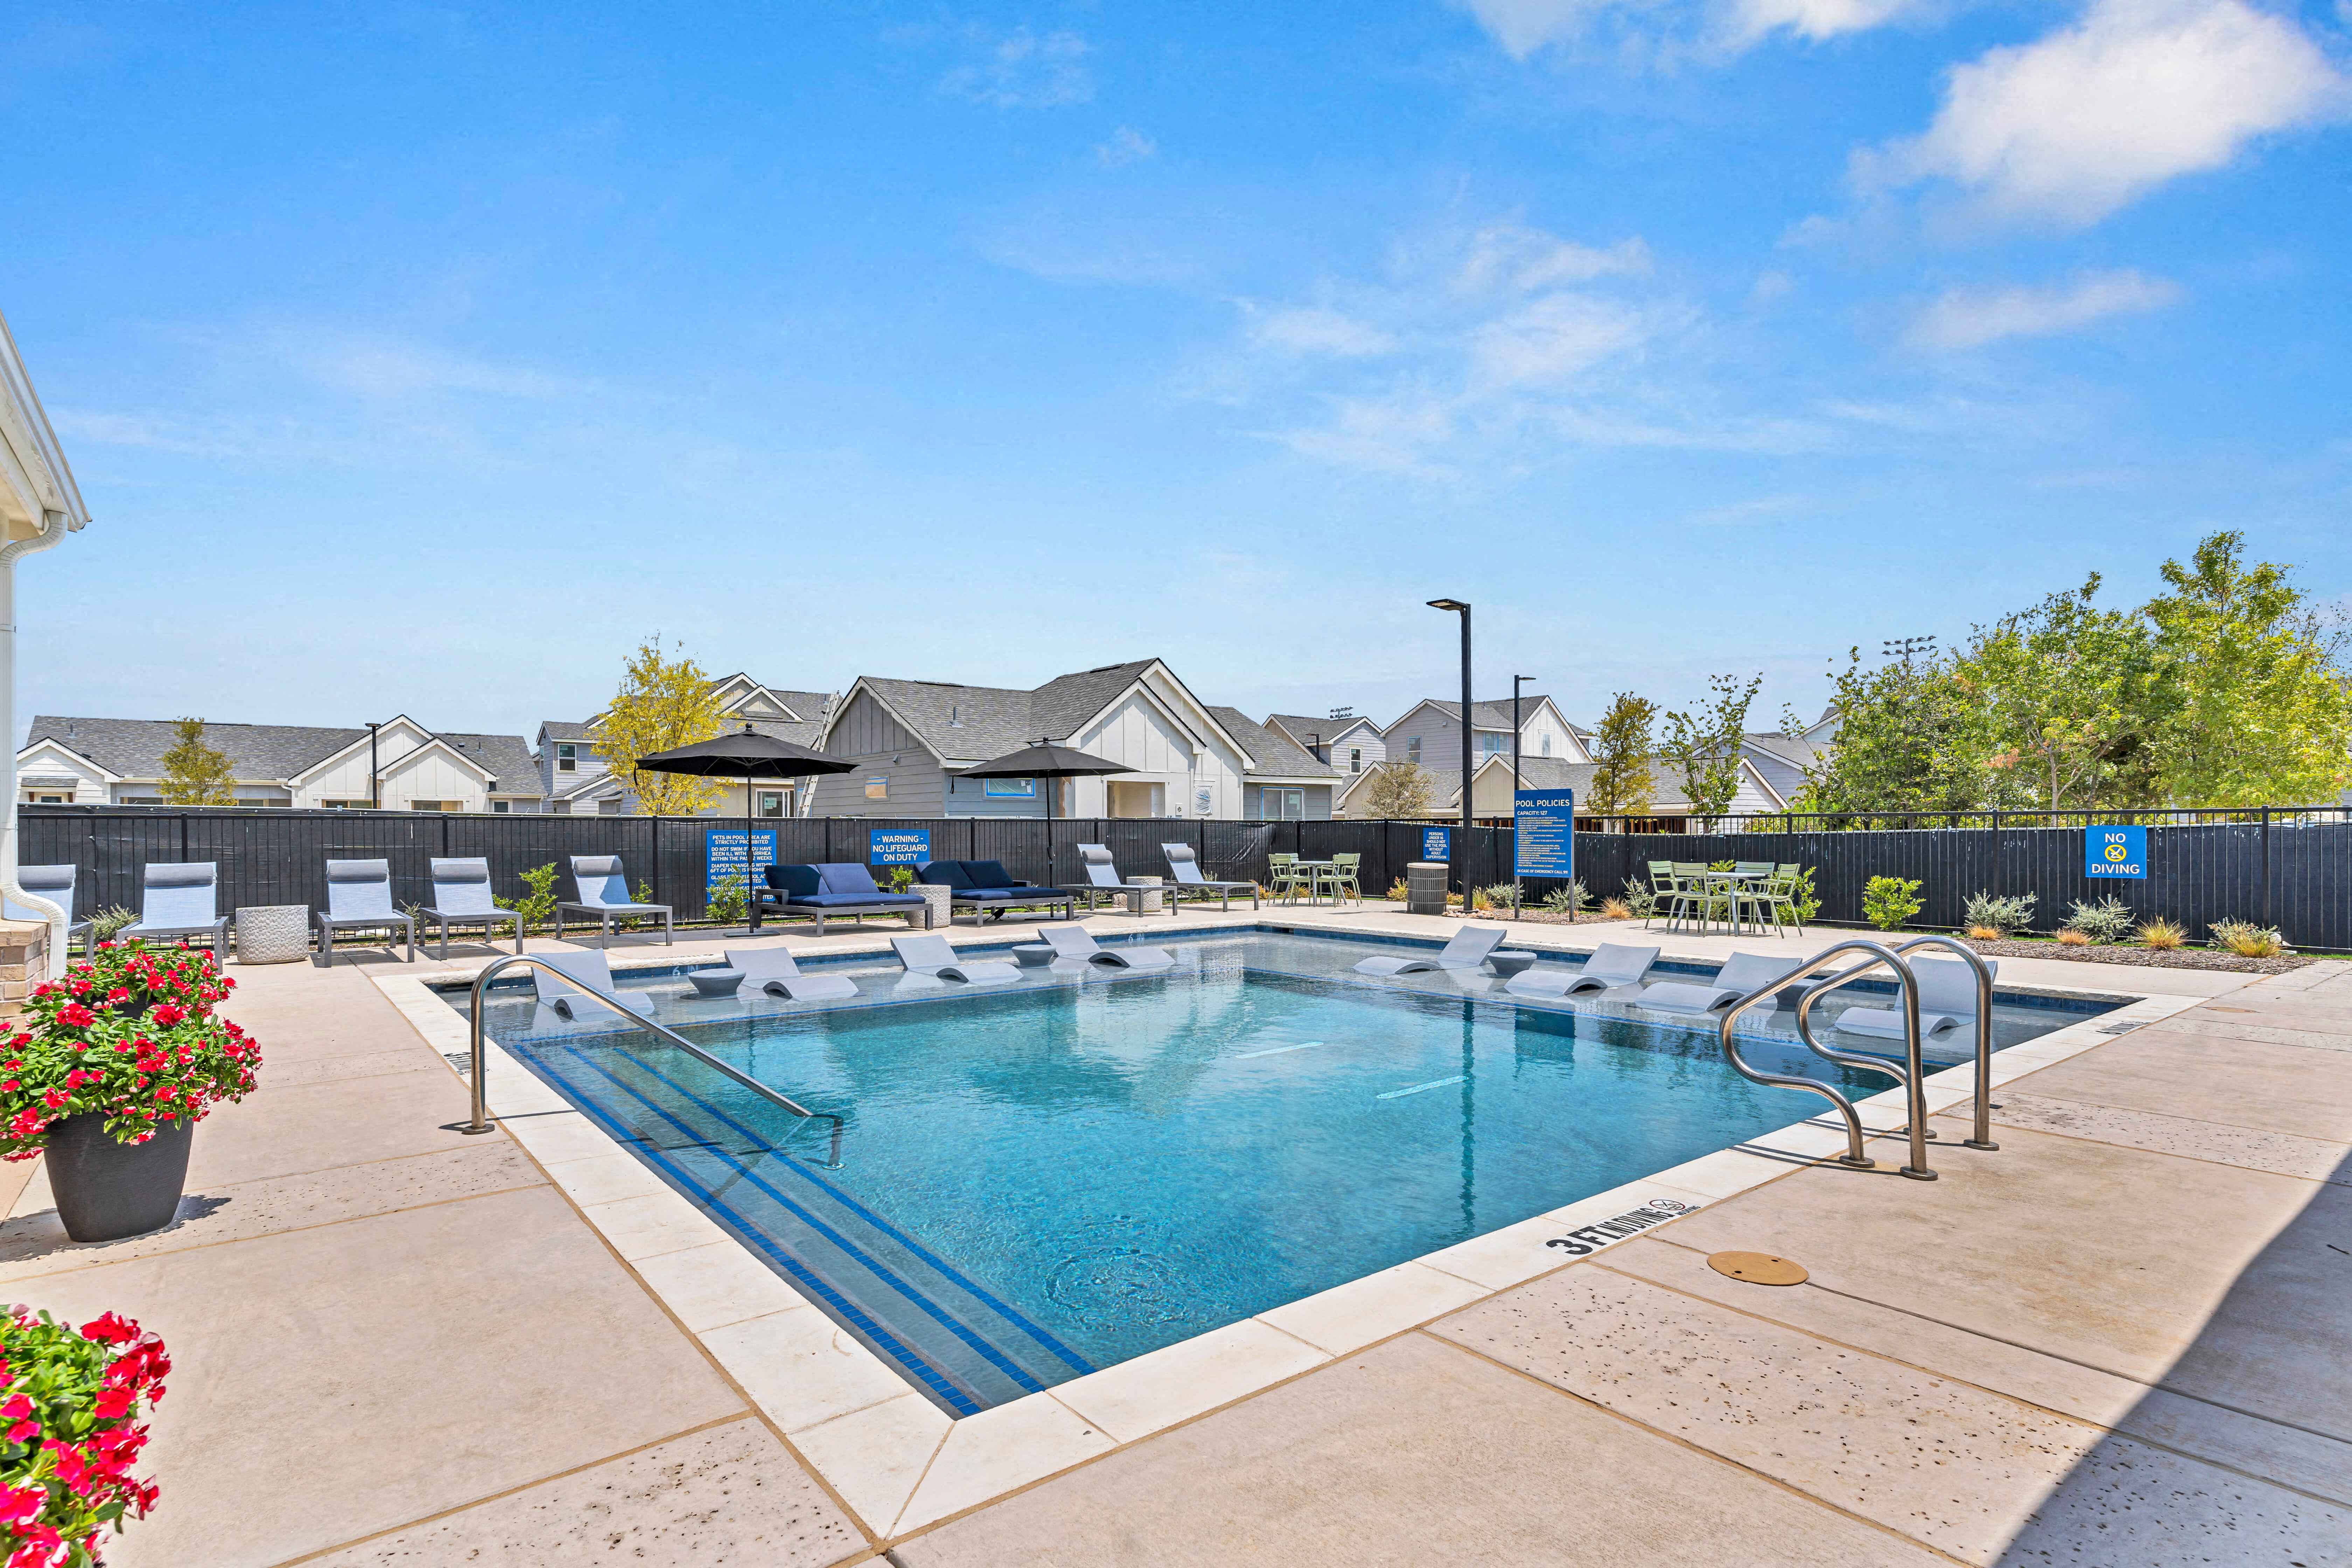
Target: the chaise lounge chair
(1741, 973)
(1077, 942)
(583, 969)
(834, 888)
(1102, 876)
(461, 891)
(55, 884)
(985, 885)
(179, 899)
(605, 893)
(1468, 950)
(359, 898)
(933, 956)
(1613, 966)
(1186, 868)
(753, 971)
(1947, 998)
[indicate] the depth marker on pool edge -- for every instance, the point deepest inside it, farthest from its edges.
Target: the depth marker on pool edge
(1433, 1084)
(1277, 1051)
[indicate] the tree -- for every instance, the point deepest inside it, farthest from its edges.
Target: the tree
(1705, 747)
(2256, 705)
(2067, 689)
(1913, 736)
(1398, 790)
(663, 702)
(194, 773)
(1622, 783)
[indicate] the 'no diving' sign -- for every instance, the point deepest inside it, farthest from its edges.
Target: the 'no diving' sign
(2114, 852)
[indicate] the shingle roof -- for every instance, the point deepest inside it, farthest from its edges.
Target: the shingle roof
(813, 706)
(1299, 725)
(977, 722)
(1667, 794)
(134, 747)
(563, 730)
(1066, 702)
(506, 758)
(1797, 751)
(1445, 785)
(1275, 756)
(1490, 714)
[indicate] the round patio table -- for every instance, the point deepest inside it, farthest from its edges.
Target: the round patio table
(1506, 962)
(1726, 884)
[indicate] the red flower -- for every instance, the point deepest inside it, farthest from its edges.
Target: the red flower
(73, 1014)
(110, 1328)
(54, 1098)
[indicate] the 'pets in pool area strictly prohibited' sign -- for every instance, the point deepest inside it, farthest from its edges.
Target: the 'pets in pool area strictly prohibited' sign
(2114, 852)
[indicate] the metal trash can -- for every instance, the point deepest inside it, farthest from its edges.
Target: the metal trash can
(1424, 887)
(273, 934)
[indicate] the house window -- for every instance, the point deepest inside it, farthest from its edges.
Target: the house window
(559, 808)
(772, 803)
(567, 757)
(433, 805)
(1413, 750)
(1355, 759)
(44, 798)
(1547, 746)
(878, 787)
(1282, 805)
(500, 807)
(609, 808)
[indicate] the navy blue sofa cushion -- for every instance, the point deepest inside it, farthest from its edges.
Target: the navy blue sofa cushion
(854, 900)
(794, 881)
(989, 873)
(948, 874)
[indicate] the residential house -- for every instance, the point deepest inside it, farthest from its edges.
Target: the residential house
(1430, 733)
(1444, 795)
(578, 784)
(1669, 810)
(912, 740)
(403, 765)
(1342, 741)
(1783, 759)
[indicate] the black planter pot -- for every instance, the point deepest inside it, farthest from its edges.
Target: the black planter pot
(106, 1191)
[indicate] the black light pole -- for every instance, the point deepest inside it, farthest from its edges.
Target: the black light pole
(1462, 841)
(376, 788)
(1516, 681)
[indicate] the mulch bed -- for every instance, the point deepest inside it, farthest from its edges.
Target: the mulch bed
(2143, 957)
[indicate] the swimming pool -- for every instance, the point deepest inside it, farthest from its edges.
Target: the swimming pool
(1046, 1179)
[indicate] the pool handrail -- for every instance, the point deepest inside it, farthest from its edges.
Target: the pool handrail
(1915, 1091)
(1981, 1133)
(481, 1122)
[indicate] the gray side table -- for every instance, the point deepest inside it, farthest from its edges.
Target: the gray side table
(938, 903)
(273, 934)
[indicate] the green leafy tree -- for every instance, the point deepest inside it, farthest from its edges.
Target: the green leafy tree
(1622, 782)
(1705, 744)
(194, 773)
(665, 700)
(1914, 735)
(2256, 708)
(1398, 790)
(2068, 692)
(536, 908)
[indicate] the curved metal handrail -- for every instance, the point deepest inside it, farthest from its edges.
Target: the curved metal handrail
(481, 1122)
(1915, 1096)
(1982, 1132)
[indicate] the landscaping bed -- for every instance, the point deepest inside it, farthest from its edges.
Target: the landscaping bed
(2143, 957)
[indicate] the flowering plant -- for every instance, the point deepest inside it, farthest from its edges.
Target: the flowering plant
(129, 1032)
(69, 1402)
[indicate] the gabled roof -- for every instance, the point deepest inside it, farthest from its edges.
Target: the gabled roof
(813, 708)
(963, 724)
(1304, 729)
(277, 753)
(1800, 750)
(505, 758)
(1272, 755)
(1445, 786)
(1484, 714)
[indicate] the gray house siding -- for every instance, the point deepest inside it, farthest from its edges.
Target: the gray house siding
(866, 729)
(970, 798)
(882, 749)
(1317, 801)
(1439, 734)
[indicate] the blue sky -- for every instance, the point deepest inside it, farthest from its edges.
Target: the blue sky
(423, 358)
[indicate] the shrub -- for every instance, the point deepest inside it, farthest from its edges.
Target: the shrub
(1807, 902)
(730, 902)
(129, 1032)
(2246, 939)
(108, 921)
(1888, 901)
(2162, 934)
(1641, 900)
(72, 1402)
(536, 908)
(2108, 920)
(1396, 890)
(1569, 899)
(1615, 909)
(2070, 937)
(1983, 933)
(1495, 895)
(2002, 916)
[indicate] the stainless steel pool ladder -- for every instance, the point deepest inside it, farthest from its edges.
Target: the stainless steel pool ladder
(481, 1122)
(1911, 1076)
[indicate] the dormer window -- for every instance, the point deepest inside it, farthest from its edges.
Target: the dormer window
(567, 757)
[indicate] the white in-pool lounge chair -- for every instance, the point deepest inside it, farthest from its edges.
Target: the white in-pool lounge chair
(1613, 966)
(1947, 998)
(55, 884)
(583, 969)
(179, 899)
(1077, 942)
(461, 891)
(605, 893)
(1186, 867)
(932, 955)
(359, 898)
(1741, 973)
(1468, 950)
(772, 971)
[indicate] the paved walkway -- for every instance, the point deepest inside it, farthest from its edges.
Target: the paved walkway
(2124, 1339)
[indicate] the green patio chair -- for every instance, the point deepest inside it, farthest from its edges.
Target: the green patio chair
(1343, 876)
(1662, 888)
(1285, 880)
(1691, 898)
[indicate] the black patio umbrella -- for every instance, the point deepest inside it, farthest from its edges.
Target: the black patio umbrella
(1045, 760)
(746, 754)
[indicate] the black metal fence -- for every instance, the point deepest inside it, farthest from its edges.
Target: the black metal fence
(2290, 868)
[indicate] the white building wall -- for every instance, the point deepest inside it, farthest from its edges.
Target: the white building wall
(44, 761)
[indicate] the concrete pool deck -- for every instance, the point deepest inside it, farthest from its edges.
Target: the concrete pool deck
(2123, 1338)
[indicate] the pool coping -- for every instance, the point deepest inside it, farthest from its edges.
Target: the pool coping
(903, 1466)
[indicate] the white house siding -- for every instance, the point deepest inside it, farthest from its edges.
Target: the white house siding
(1546, 728)
(1141, 734)
(1437, 734)
(47, 763)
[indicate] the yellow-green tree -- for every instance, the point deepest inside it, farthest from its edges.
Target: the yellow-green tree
(194, 773)
(1622, 784)
(665, 701)
(1399, 790)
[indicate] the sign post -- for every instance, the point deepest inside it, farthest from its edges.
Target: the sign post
(2109, 851)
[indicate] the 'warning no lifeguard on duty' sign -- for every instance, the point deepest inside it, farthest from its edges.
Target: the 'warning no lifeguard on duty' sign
(2114, 852)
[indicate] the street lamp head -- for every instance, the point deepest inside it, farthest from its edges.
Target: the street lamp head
(1447, 604)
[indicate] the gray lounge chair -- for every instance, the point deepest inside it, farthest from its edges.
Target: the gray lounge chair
(359, 898)
(1947, 998)
(582, 969)
(772, 970)
(55, 884)
(1613, 966)
(605, 893)
(461, 892)
(180, 899)
(1077, 942)
(1741, 973)
(1186, 867)
(1102, 876)
(932, 955)
(1467, 950)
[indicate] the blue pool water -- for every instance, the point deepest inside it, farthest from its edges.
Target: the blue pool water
(1051, 1178)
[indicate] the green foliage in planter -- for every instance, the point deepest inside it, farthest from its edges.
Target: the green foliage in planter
(70, 1433)
(110, 920)
(1888, 901)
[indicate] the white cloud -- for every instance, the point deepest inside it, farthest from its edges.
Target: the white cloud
(1971, 318)
(2074, 126)
(1024, 70)
(1312, 330)
(1126, 145)
(1751, 19)
(381, 367)
(1552, 339)
(1523, 26)
(1512, 256)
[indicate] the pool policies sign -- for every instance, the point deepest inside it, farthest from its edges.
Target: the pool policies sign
(2114, 852)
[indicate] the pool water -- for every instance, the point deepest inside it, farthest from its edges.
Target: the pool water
(1044, 1180)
